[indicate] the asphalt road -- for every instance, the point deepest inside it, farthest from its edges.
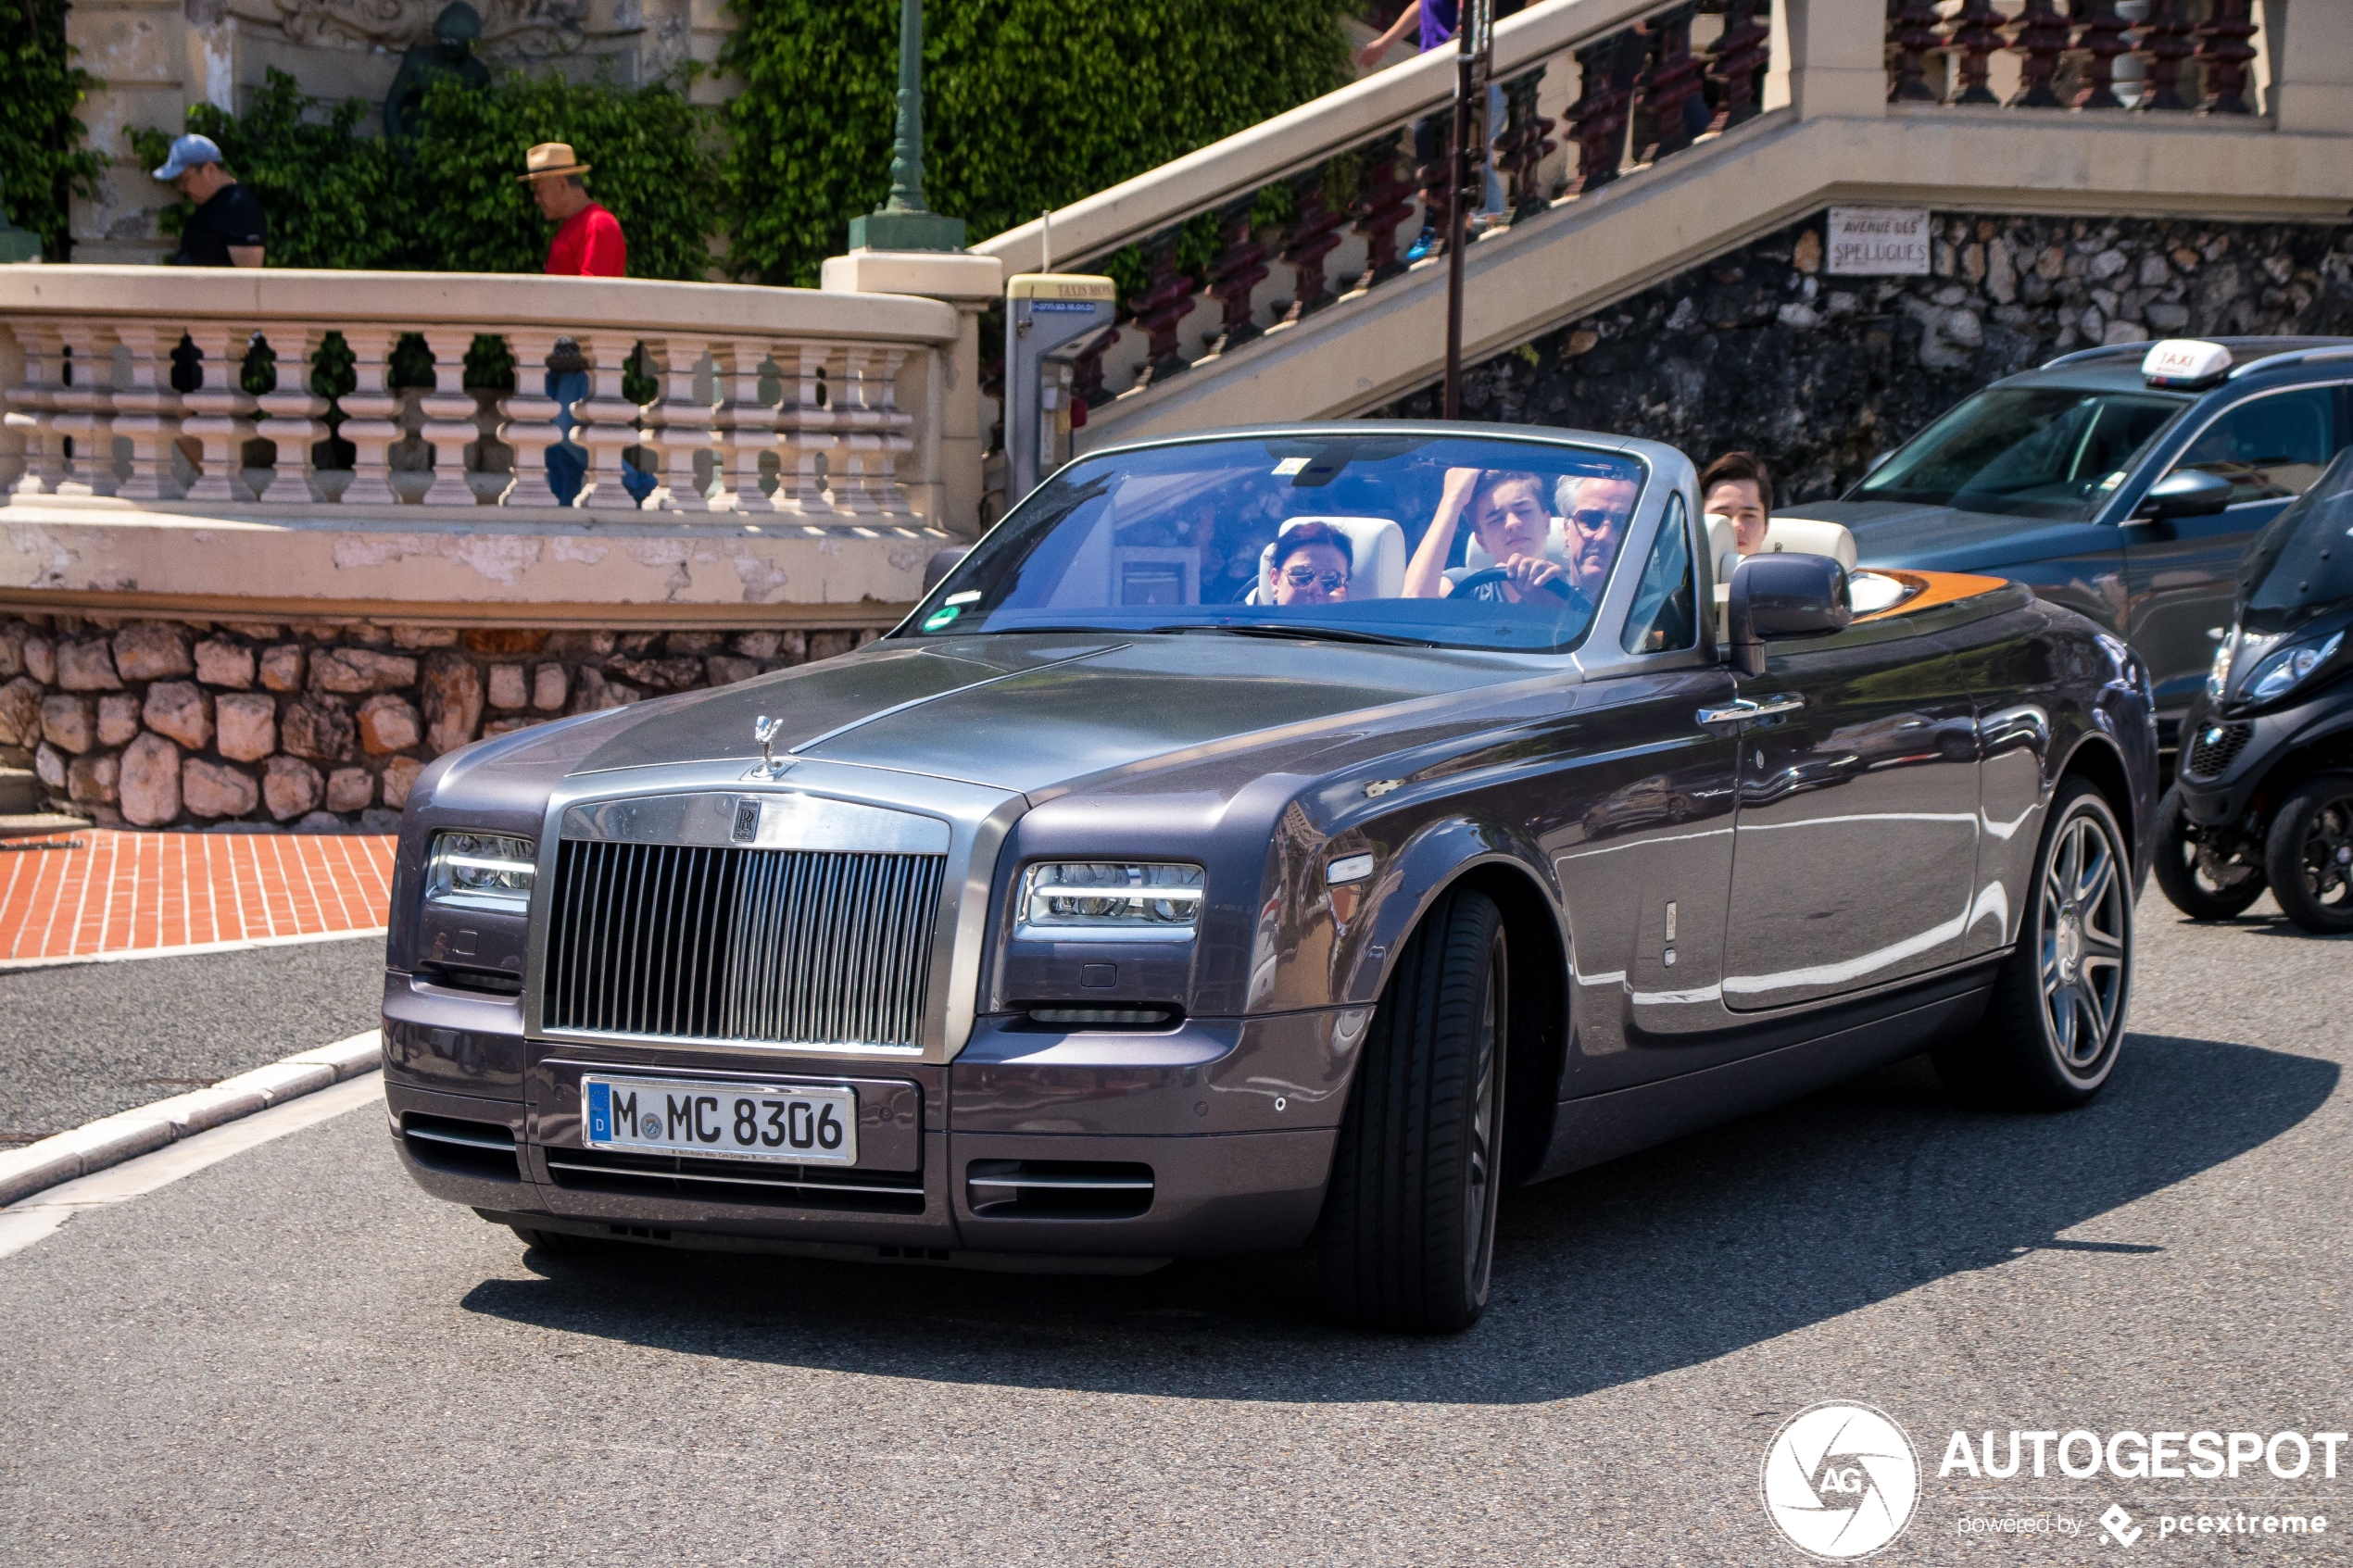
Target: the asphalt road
(82, 1041)
(294, 1356)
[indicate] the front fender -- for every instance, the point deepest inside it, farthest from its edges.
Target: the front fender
(1409, 881)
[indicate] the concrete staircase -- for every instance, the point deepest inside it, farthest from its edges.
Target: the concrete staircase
(1594, 226)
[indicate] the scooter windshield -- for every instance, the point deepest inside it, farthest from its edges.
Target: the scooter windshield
(2301, 567)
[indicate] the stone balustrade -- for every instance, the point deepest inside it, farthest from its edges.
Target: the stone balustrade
(2162, 55)
(331, 392)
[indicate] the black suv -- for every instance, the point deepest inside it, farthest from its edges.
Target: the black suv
(2124, 482)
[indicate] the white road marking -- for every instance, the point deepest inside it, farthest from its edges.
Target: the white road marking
(45, 1212)
(189, 949)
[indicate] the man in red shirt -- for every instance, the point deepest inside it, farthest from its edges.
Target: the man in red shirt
(588, 243)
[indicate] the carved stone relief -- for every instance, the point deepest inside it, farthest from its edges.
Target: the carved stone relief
(509, 27)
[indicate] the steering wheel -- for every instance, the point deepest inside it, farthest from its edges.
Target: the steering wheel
(1487, 574)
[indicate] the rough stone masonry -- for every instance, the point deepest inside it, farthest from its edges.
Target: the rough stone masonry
(1761, 348)
(320, 726)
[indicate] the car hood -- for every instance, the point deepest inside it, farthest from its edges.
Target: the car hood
(1029, 713)
(1950, 539)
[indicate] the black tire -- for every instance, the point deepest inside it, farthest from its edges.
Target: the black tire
(2208, 873)
(2310, 854)
(2055, 1024)
(1407, 1238)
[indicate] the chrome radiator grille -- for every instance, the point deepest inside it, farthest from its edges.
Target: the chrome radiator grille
(789, 946)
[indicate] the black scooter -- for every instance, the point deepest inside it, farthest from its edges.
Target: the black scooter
(2264, 794)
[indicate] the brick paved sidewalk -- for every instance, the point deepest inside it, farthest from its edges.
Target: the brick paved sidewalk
(96, 891)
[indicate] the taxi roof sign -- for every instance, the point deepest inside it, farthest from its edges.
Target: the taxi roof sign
(1060, 285)
(2184, 361)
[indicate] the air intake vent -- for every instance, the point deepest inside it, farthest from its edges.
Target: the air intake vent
(793, 947)
(2216, 748)
(1057, 1189)
(734, 1181)
(482, 1149)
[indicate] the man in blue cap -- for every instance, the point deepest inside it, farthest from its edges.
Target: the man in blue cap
(228, 229)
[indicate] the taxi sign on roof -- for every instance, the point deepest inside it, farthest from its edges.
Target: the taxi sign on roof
(2184, 361)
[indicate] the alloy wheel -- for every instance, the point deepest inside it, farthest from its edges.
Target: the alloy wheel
(2083, 926)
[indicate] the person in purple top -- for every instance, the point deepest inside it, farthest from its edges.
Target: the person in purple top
(1437, 20)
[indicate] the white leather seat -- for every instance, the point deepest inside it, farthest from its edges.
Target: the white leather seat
(1792, 535)
(1375, 557)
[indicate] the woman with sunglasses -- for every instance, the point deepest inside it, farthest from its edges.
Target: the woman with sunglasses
(1311, 565)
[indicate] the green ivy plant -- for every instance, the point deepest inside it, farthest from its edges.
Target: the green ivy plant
(42, 159)
(447, 199)
(1028, 103)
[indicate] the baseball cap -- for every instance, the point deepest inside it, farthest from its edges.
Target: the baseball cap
(186, 152)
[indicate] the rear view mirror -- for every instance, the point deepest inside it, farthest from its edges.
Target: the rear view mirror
(941, 563)
(1775, 596)
(2185, 493)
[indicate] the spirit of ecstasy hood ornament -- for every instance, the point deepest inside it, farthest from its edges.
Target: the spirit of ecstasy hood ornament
(765, 731)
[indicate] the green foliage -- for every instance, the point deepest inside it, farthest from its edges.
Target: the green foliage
(447, 199)
(654, 167)
(1028, 103)
(40, 159)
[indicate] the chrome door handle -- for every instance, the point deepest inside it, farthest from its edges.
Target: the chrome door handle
(1742, 708)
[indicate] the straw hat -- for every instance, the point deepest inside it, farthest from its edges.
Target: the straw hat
(548, 160)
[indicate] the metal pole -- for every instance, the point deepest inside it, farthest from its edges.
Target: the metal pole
(1474, 33)
(907, 142)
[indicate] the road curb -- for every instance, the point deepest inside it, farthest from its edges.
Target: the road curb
(129, 1134)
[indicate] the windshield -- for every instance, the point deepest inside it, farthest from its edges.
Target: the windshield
(1445, 541)
(2301, 567)
(2025, 451)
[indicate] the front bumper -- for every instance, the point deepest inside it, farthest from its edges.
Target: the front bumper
(989, 1156)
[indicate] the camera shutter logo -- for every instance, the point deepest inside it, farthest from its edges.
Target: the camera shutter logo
(1841, 1479)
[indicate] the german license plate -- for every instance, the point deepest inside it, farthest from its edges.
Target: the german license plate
(792, 1123)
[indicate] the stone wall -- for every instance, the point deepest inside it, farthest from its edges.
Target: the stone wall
(1760, 348)
(315, 727)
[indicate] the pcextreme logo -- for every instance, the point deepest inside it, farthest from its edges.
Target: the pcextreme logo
(1840, 1480)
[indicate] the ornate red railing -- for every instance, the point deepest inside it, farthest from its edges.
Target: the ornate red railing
(2153, 55)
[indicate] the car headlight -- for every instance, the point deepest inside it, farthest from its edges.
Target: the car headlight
(1082, 899)
(2217, 676)
(2278, 674)
(483, 871)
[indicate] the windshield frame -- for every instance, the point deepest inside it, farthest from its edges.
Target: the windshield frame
(1654, 462)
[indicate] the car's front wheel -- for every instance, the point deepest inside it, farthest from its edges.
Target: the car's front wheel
(1408, 1232)
(2310, 854)
(2056, 1021)
(2208, 873)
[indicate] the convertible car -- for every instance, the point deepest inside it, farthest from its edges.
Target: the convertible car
(1281, 836)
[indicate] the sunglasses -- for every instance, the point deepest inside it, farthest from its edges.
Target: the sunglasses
(1592, 520)
(1301, 576)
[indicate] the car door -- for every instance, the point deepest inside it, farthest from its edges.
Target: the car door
(1855, 832)
(1645, 859)
(2179, 573)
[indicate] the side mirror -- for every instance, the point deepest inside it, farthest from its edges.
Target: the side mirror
(2185, 493)
(942, 562)
(1782, 596)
